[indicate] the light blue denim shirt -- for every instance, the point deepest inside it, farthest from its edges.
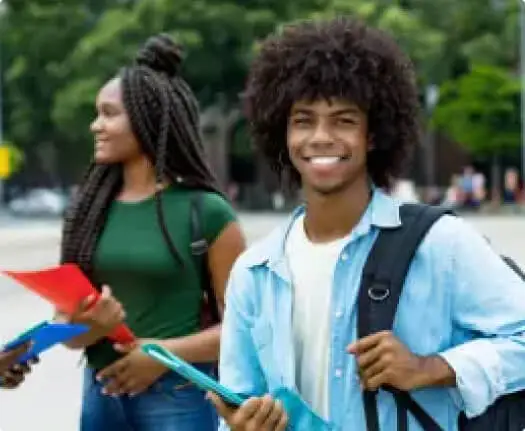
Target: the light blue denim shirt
(460, 301)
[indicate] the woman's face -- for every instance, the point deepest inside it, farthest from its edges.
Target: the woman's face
(114, 139)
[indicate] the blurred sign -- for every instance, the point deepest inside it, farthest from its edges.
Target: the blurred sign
(4, 162)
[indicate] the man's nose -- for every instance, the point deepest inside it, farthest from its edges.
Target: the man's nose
(321, 136)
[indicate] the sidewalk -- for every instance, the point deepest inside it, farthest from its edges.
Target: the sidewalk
(27, 232)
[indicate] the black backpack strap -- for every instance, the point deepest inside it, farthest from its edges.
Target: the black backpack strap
(381, 286)
(199, 251)
(514, 266)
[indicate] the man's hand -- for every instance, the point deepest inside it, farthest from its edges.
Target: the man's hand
(13, 377)
(384, 361)
(101, 316)
(10, 357)
(256, 414)
(132, 374)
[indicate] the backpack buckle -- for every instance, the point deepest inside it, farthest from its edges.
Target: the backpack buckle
(199, 247)
(378, 292)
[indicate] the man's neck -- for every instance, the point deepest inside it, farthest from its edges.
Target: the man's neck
(139, 180)
(330, 217)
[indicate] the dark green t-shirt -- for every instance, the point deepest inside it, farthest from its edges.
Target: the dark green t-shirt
(161, 297)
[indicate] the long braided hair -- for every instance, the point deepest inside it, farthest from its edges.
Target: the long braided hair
(164, 116)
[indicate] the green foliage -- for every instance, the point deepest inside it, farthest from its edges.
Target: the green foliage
(481, 110)
(57, 54)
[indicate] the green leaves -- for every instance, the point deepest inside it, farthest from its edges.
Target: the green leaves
(481, 110)
(57, 54)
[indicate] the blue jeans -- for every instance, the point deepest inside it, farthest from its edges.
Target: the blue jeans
(170, 404)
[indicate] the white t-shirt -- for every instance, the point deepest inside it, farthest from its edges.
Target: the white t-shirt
(312, 269)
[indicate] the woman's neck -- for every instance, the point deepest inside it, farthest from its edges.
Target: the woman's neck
(139, 180)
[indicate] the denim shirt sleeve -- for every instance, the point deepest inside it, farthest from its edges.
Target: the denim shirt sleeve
(239, 367)
(488, 299)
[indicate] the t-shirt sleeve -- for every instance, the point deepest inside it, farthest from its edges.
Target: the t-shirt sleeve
(217, 214)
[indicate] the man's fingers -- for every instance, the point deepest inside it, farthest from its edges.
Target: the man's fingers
(368, 358)
(222, 408)
(264, 410)
(248, 408)
(364, 344)
(283, 423)
(373, 370)
(274, 418)
(376, 381)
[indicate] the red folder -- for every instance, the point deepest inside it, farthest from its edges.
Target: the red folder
(65, 287)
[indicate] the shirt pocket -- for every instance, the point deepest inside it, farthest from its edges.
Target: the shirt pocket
(262, 336)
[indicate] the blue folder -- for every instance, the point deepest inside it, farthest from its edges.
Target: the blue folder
(202, 380)
(44, 336)
(301, 417)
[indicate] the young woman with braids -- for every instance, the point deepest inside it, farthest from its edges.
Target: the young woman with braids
(129, 229)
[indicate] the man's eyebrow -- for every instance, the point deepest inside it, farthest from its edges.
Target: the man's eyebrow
(346, 111)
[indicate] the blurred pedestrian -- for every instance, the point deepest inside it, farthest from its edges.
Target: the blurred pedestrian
(511, 187)
(130, 229)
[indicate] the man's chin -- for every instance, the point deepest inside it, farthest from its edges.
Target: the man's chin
(329, 189)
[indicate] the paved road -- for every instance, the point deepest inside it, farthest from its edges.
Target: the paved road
(50, 398)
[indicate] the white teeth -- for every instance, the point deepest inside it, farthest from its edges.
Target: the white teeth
(327, 160)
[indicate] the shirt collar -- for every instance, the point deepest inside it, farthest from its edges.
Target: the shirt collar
(382, 212)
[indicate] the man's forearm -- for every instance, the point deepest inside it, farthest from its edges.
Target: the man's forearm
(434, 371)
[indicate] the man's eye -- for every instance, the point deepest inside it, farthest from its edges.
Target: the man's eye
(346, 121)
(301, 120)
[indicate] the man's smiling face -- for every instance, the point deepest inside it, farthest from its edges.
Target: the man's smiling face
(328, 143)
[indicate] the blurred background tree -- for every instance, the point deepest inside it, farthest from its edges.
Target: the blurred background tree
(56, 55)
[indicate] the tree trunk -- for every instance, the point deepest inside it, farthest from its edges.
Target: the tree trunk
(496, 180)
(216, 125)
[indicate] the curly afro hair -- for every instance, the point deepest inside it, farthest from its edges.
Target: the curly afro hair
(340, 58)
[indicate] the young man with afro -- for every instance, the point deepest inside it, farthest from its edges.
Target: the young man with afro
(334, 106)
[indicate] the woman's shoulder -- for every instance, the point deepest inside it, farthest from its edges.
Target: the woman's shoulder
(214, 210)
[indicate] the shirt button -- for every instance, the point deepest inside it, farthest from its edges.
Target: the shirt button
(339, 314)
(338, 373)
(344, 256)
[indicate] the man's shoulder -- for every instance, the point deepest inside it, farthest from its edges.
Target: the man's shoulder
(450, 229)
(451, 238)
(261, 250)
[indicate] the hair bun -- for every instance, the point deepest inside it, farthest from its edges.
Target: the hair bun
(161, 54)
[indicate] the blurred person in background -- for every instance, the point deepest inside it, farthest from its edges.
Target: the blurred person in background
(511, 187)
(479, 189)
(128, 229)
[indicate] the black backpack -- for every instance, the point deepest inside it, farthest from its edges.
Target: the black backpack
(382, 283)
(199, 250)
